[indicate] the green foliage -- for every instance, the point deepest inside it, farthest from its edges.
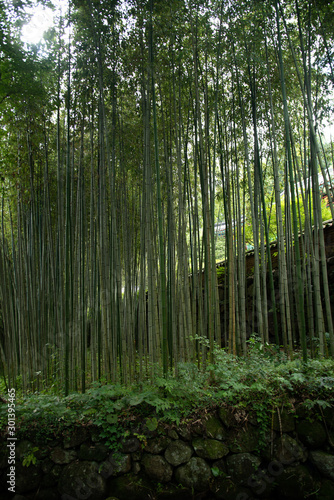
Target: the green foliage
(41, 415)
(220, 248)
(264, 379)
(263, 417)
(216, 472)
(29, 458)
(318, 402)
(152, 424)
(325, 214)
(141, 438)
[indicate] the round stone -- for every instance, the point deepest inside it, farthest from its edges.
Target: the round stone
(178, 452)
(196, 474)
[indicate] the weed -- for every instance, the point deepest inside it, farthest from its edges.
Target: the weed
(29, 457)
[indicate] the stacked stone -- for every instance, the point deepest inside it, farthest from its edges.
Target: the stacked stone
(217, 457)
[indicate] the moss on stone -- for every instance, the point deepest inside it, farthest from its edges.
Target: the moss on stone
(210, 449)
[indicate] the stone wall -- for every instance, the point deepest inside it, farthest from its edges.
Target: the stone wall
(222, 455)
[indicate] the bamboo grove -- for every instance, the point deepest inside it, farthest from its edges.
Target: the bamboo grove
(137, 127)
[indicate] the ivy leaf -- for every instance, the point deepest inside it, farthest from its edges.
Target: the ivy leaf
(136, 400)
(151, 424)
(215, 471)
(90, 411)
(323, 404)
(297, 378)
(112, 419)
(118, 405)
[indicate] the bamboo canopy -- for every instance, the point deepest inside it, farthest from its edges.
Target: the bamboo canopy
(158, 142)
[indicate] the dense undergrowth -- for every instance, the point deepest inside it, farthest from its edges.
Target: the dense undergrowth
(260, 382)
